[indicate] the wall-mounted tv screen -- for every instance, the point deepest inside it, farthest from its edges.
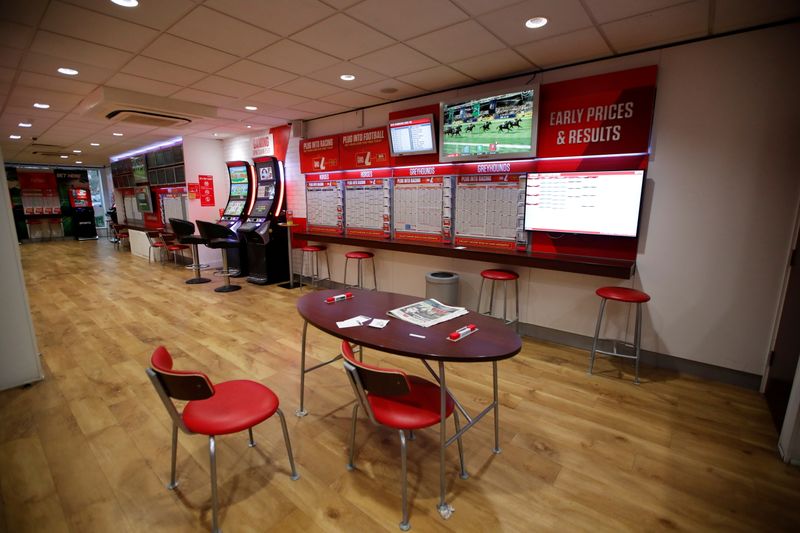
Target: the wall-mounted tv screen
(412, 136)
(597, 203)
(501, 126)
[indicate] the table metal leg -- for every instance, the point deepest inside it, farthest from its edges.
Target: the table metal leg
(291, 266)
(496, 410)
(445, 510)
(302, 411)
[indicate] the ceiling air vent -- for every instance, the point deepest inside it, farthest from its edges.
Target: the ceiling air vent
(146, 118)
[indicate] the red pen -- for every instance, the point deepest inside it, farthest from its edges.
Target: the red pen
(463, 332)
(338, 297)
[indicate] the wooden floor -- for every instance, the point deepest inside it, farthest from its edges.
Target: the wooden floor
(87, 449)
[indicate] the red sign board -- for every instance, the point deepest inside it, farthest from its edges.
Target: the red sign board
(605, 114)
(206, 190)
(365, 148)
(319, 154)
(193, 190)
(426, 170)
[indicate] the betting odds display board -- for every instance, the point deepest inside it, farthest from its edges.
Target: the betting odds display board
(367, 203)
(325, 203)
(422, 208)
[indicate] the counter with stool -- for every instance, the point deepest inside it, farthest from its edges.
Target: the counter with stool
(220, 238)
(360, 257)
(184, 230)
(312, 252)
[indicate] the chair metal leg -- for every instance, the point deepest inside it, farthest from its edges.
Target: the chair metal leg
(172, 481)
(404, 525)
(214, 504)
(445, 509)
(638, 339)
(227, 286)
(196, 268)
(496, 409)
(295, 476)
(302, 412)
(596, 335)
(463, 474)
(252, 443)
(350, 465)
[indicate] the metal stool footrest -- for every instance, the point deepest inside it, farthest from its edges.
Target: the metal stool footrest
(615, 343)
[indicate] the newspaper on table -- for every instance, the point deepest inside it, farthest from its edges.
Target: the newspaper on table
(427, 312)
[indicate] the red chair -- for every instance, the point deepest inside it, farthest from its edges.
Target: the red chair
(173, 246)
(156, 243)
(398, 401)
(212, 410)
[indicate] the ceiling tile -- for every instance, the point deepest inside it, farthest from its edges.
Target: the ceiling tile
(235, 114)
(569, 48)
(320, 108)
(508, 23)
(15, 35)
(605, 11)
(734, 14)
(158, 15)
(33, 113)
(49, 65)
(7, 74)
(395, 60)
(202, 97)
(280, 16)
(478, 7)
(158, 70)
(227, 87)
(142, 85)
(293, 114)
(25, 97)
(331, 75)
(256, 73)
(96, 28)
(308, 88)
(192, 55)
(460, 41)
(277, 98)
(493, 65)
(353, 99)
(54, 83)
(672, 24)
(412, 18)
(222, 32)
(9, 57)
(328, 35)
(437, 78)
(26, 12)
(293, 57)
(391, 89)
(72, 49)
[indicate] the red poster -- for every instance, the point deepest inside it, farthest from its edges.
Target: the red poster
(364, 149)
(206, 189)
(320, 154)
(605, 114)
(193, 190)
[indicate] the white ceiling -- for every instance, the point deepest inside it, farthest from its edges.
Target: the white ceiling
(285, 57)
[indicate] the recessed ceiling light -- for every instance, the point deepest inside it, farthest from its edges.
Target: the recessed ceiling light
(64, 156)
(37, 105)
(126, 3)
(251, 108)
(535, 22)
(117, 134)
(249, 126)
(15, 137)
(76, 151)
(94, 144)
(68, 71)
(347, 77)
(78, 162)
(214, 134)
(24, 124)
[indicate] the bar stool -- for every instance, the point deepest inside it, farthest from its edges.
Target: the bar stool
(495, 275)
(184, 229)
(360, 257)
(313, 261)
(620, 294)
(222, 239)
(122, 236)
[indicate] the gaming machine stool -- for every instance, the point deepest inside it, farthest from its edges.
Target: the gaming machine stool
(184, 230)
(220, 238)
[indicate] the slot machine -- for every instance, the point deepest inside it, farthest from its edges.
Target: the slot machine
(80, 199)
(240, 201)
(268, 259)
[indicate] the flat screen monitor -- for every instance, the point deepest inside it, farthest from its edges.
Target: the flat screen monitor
(238, 174)
(501, 126)
(239, 190)
(596, 203)
(412, 136)
(261, 208)
(234, 208)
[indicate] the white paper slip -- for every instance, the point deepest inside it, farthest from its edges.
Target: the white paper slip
(352, 322)
(378, 323)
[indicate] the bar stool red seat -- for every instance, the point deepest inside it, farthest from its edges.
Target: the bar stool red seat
(625, 295)
(312, 252)
(360, 256)
(504, 276)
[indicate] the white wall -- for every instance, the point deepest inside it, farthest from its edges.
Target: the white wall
(206, 157)
(719, 206)
(19, 353)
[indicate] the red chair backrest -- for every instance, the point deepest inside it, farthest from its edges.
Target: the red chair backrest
(376, 380)
(178, 384)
